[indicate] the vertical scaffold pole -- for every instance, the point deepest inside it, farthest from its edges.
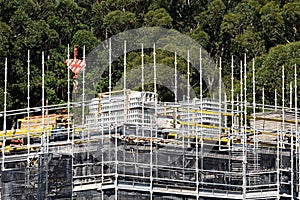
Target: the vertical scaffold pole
(102, 156)
(291, 95)
(188, 92)
(69, 120)
(155, 103)
(188, 78)
(201, 131)
(225, 110)
(238, 119)
(68, 104)
(254, 116)
(232, 97)
(109, 75)
(116, 160)
(151, 158)
(275, 99)
(125, 86)
(244, 132)
(230, 134)
(175, 91)
(175, 79)
(220, 101)
(282, 132)
(283, 111)
(245, 88)
(83, 95)
(154, 82)
(196, 154)
(296, 128)
(28, 121)
(241, 97)
(28, 109)
(277, 164)
(292, 146)
(109, 100)
(241, 124)
(143, 93)
(263, 99)
(44, 142)
(42, 150)
(196, 131)
(4, 116)
(201, 119)
(109, 94)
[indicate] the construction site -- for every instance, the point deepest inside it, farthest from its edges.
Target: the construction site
(126, 144)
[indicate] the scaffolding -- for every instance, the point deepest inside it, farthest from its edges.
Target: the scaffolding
(129, 145)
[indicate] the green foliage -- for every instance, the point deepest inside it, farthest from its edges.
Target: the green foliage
(270, 66)
(158, 17)
(211, 20)
(118, 21)
(224, 28)
(200, 36)
(85, 38)
(4, 38)
(272, 23)
(239, 31)
(291, 17)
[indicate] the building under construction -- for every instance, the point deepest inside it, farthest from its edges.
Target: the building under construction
(129, 145)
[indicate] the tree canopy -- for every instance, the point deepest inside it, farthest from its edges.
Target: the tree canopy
(266, 30)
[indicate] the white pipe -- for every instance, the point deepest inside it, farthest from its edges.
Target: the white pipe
(109, 92)
(143, 93)
(291, 95)
(188, 92)
(244, 132)
(125, 79)
(151, 158)
(68, 104)
(263, 99)
(175, 79)
(69, 120)
(254, 115)
(241, 92)
(220, 101)
(296, 126)
(232, 114)
(201, 114)
(292, 146)
(154, 82)
(275, 99)
(28, 107)
(4, 116)
(282, 128)
(83, 95)
(188, 77)
(44, 142)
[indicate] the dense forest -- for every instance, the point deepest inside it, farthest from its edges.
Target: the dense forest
(268, 31)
